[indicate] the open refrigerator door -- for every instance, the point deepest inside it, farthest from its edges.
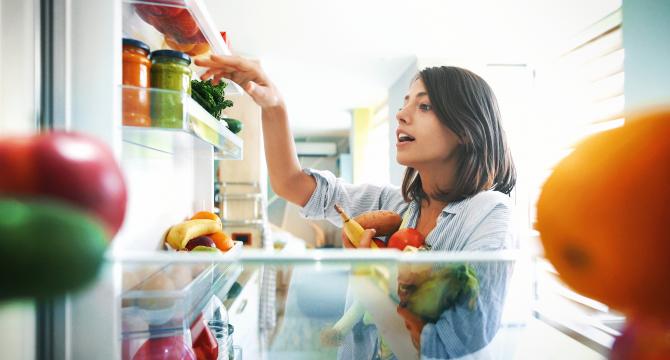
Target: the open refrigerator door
(168, 168)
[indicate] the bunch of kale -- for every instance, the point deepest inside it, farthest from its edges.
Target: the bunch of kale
(210, 96)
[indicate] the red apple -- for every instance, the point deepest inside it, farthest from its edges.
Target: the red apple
(74, 168)
(403, 237)
(200, 241)
(15, 169)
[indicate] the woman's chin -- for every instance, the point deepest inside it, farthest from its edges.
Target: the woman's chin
(403, 160)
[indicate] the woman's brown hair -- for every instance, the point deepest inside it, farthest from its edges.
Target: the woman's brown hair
(465, 103)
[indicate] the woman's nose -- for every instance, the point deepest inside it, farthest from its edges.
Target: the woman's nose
(401, 116)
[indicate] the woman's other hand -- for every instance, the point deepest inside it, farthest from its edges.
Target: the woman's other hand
(366, 240)
(246, 73)
(414, 324)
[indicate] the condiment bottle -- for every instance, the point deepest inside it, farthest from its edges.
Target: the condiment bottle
(136, 75)
(169, 71)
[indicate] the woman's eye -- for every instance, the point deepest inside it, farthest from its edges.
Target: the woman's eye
(425, 107)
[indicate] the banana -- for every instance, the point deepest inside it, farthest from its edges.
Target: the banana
(180, 234)
(352, 229)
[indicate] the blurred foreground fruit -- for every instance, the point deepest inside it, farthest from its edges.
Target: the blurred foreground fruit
(71, 167)
(47, 249)
(643, 340)
(604, 213)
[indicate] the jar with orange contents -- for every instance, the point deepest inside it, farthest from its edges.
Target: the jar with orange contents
(136, 72)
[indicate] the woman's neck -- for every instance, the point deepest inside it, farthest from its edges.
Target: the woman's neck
(436, 180)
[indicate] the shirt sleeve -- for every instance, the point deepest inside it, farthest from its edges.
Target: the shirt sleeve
(461, 331)
(354, 199)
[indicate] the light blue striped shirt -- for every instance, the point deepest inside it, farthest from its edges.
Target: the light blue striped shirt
(480, 222)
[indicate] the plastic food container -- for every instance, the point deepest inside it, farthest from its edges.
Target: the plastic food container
(158, 345)
(136, 73)
(170, 71)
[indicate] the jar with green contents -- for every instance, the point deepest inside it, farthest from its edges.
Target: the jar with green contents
(169, 71)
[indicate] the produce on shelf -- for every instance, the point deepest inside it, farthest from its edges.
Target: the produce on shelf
(234, 125)
(166, 347)
(222, 241)
(191, 49)
(179, 235)
(200, 233)
(172, 21)
(603, 216)
(208, 216)
(204, 241)
(69, 167)
(47, 248)
(210, 96)
(159, 281)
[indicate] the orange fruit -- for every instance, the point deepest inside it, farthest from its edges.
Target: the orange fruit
(208, 215)
(604, 216)
(222, 241)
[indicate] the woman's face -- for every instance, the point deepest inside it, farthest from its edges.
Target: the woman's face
(421, 139)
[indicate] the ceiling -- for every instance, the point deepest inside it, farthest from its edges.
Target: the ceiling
(328, 57)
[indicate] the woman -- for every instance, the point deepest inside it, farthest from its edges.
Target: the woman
(455, 191)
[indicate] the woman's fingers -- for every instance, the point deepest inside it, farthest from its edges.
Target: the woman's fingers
(218, 61)
(366, 239)
(236, 62)
(346, 243)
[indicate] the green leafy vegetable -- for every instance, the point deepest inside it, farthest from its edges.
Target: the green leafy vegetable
(211, 97)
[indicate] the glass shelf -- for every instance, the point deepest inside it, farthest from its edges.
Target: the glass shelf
(182, 25)
(169, 297)
(177, 113)
(312, 291)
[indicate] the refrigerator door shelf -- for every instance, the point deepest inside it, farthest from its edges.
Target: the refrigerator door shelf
(178, 113)
(172, 296)
(182, 25)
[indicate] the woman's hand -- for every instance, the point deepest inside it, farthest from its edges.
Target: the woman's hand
(246, 73)
(414, 324)
(366, 240)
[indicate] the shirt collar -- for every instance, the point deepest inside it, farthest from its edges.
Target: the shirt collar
(454, 207)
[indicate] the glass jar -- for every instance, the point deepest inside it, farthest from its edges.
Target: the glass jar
(136, 73)
(169, 71)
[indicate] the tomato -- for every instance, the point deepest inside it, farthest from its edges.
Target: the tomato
(403, 237)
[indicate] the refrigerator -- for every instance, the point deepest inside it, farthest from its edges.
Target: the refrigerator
(284, 301)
